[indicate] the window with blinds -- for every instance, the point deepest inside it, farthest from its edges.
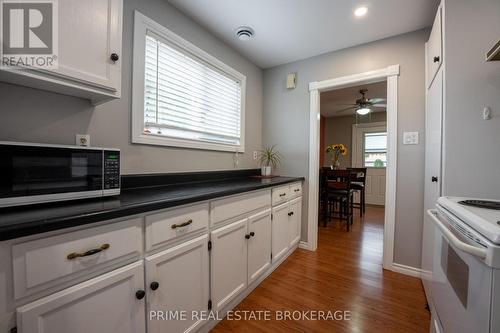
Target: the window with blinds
(187, 98)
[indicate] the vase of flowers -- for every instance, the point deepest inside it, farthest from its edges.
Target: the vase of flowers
(338, 151)
(270, 159)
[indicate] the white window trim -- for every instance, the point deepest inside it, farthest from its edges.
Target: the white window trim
(141, 26)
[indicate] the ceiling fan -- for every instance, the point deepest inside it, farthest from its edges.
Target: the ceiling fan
(364, 105)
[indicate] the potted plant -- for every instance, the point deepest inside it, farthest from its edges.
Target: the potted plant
(338, 151)
(269, 158)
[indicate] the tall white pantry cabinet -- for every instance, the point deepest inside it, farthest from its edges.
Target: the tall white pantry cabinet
(435, 75)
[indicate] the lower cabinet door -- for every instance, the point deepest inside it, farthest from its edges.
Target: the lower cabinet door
(295, 221)
(280, 226)
(229, 263)
(259, 244)
(113, 302)
(177, 283)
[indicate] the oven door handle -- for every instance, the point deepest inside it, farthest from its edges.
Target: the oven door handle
(459, 244)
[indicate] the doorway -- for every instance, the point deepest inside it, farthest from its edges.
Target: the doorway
(390, 75)
(369, 144)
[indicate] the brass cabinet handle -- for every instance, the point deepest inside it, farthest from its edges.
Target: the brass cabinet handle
(282, 194)
(180, 225)
(75, 255)
(296, 190)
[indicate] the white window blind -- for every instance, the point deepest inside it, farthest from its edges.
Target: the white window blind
(186, 98)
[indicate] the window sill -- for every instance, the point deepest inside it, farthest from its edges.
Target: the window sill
(180, 143)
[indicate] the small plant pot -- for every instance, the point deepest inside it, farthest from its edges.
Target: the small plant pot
(265, 170)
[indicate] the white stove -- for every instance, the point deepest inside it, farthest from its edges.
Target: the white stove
(481, 215)
(463, 268)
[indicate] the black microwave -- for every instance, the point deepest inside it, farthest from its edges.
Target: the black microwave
(36, 173)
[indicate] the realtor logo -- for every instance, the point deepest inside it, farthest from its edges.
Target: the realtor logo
(29, 33)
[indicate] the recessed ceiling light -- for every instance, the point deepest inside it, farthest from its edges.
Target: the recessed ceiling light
(363, 111)
(244, 33)
(361, 11)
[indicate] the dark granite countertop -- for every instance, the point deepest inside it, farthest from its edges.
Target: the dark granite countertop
(28, 220)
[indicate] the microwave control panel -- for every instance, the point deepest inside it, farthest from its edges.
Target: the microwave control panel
(111, 169)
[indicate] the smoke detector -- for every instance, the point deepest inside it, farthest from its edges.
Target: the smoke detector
(244, 33)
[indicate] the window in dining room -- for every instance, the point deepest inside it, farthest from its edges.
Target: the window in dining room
(375, 150)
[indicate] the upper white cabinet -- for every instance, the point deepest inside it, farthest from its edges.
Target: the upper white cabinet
(434, 51)
(177, 280)
(89, 52)
(113, 302)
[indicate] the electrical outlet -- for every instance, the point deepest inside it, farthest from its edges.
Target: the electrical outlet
(255, 154)
(83, 140)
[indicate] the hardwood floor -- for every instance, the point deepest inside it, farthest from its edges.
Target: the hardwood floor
(345, 273)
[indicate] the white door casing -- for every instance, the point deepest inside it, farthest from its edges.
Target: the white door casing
(375, 177)
(391, 74)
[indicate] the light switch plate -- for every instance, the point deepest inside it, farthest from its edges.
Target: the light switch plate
(410, 138)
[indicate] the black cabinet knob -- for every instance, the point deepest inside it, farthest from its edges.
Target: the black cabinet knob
(139, 294)
(114, 57)
(252, 233)
(436, 59)
(154, 285)
(247, 236)
(290, 214)
(434, 179)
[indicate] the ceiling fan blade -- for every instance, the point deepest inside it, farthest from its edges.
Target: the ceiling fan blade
(376, 100)
(380, 105)
(346, 109)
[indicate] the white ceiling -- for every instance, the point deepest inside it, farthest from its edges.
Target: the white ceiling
(335, 100)
(289, 30)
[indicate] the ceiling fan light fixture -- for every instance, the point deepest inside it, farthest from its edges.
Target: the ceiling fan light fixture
(363, 111)
(360, 11)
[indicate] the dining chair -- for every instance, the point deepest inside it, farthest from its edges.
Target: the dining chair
(339, 194)
(358, 184)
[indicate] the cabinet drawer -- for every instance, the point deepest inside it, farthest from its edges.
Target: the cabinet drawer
(224, 209)
(44, 263)
(176, 223)
(280, 194)
(295, 190)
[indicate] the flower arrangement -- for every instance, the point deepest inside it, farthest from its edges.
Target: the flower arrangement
(338, 150)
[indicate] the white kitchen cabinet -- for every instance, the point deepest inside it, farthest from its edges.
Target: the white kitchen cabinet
(177, 280)
(294, 224)
(433, 174)
(228, 262)
(89, 33)
(280, 231)
(259, 244)
(113, 302)
(434, 52)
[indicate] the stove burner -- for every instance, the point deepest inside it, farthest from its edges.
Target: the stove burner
(481, 204)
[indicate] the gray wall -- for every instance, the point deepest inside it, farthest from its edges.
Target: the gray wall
(286, 122)
(472, 145)
(339, 130)
(34, 115)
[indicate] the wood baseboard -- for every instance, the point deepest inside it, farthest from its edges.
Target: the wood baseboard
(406, 270)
